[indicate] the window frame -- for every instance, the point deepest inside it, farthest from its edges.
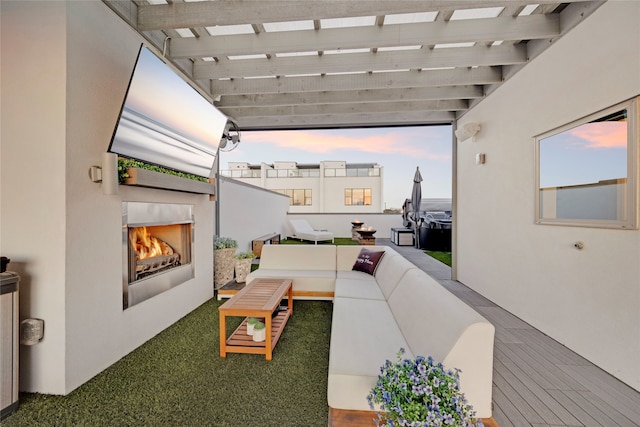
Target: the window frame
(631, 192)
(364, 196)
(307, 196)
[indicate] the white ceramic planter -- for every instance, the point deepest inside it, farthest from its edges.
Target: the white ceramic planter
(259, 334)
(250, 324)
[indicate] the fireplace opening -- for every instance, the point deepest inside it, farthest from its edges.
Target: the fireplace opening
(157, 246)
(155, 249)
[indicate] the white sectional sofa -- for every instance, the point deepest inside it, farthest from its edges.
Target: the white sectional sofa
(374, 316)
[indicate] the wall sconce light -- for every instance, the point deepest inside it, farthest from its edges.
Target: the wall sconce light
(468, 130)
(107, 173)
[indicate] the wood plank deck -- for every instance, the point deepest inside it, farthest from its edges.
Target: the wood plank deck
(538, 382)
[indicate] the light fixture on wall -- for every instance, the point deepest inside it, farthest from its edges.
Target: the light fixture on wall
(468, 130)
(107, 173)
(230, 136)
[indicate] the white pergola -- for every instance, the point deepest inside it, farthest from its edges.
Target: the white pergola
(292, 64)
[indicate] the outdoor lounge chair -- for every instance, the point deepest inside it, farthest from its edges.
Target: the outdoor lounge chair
(302, 230)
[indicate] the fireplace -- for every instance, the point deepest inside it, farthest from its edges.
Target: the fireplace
(157, 241)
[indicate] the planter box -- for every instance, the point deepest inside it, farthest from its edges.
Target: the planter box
(146, 178)
(224, 263)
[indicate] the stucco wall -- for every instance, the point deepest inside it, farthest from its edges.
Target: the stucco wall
(63, 82)
(248, 212)
(590, 299)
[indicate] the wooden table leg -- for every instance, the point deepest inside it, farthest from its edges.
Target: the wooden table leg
(223, 335)
(290, 300)
(267, 327)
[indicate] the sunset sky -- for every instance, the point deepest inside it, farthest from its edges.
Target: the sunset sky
(586, 154)
(398, 150)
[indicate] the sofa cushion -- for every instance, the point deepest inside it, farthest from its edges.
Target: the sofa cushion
(368, 327)
(390, 271)
(358, 288)
(353, 275)
(368, 261)
(435, 322)
(298, 257)
(320, 281)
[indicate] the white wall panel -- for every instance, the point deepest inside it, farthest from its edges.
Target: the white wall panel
(588, 300)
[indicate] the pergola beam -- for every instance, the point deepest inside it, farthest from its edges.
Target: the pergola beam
(381, 61)
(352, 96)
(347, 120)
(232, 12)
(397, 80)
(431, 33)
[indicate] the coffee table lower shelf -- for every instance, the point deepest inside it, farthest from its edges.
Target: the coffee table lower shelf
(241, 342)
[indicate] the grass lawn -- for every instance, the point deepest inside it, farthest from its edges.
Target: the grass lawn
(179, 379)
(443, 257)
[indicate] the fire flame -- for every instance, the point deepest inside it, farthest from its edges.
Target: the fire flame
(146, 245)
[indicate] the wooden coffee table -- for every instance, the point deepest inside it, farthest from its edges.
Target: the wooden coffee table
(260, 299)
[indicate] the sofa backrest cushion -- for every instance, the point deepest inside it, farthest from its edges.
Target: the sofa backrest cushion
(298, 257)
(430, 317)
(368, 261)
(391, 269)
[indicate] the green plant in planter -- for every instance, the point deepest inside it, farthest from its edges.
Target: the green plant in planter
(251, 323)
(259, 332)
(245, 255)
(124, 163)
(224, 242)
(420, 392)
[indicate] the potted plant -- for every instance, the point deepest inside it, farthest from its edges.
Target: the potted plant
(224, 249)
(259, 332)
(420, 392)
(251, 323)
(243, 265)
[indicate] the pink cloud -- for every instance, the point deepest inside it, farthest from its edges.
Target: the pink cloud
(314, 142)
(603, 134)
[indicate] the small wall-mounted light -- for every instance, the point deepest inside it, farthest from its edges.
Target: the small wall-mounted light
(107, 173)
(481, 158)
(468, 130)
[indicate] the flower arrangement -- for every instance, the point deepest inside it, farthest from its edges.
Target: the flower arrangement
(420, 392)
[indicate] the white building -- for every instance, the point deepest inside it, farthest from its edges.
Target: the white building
(325, 187)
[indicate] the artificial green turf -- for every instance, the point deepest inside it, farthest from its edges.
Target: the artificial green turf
(443, 257)
(336, 241)
(179, 379)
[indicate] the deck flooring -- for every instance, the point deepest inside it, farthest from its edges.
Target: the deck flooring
(537, 381)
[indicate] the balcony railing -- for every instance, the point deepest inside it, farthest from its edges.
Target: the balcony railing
(241, 173)
(364, 172)
(301, 173)
(293, 173)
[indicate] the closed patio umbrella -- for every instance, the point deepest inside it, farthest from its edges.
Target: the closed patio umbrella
(416, 197)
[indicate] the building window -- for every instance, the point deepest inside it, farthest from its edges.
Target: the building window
(357, 196)
(297, 197)
(586, 170)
